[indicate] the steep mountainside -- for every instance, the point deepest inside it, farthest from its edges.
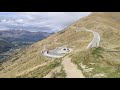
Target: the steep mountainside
(102, 61)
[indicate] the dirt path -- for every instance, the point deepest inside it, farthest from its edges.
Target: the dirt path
(71, 69)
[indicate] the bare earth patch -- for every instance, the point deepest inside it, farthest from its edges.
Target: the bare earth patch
(85, 68)
(100, 75)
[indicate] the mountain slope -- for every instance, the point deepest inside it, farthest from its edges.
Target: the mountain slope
(106, 57)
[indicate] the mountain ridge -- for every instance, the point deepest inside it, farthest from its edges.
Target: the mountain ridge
(101, 61)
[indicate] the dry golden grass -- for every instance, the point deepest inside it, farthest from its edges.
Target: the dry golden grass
(106, 25)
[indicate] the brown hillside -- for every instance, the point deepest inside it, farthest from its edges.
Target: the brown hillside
(28, 62)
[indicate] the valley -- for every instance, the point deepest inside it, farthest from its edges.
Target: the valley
(13, 40)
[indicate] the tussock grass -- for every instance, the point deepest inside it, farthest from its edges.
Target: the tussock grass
(60, 74)
(102, 63)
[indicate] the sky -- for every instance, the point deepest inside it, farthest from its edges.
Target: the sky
(39, 21)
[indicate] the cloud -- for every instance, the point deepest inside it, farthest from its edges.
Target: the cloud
(19, 20)
(40, 21)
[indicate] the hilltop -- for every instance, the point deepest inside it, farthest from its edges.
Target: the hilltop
(102, 61)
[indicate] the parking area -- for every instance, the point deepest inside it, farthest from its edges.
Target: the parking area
(57, 52)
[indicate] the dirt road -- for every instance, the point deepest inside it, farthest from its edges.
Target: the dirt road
(71, 69)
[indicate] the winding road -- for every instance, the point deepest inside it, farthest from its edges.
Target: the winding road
(57, 53)
(95, 41)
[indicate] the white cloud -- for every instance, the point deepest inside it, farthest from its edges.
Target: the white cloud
(53, 20)
(19, 20)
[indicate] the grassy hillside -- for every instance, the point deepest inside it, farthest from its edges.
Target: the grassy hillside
(102, 61)
(98, 62)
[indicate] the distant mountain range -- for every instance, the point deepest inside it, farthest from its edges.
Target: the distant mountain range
(16, 38)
